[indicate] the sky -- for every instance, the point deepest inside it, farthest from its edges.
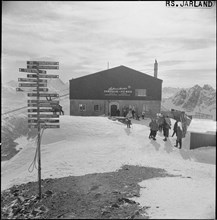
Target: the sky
(87, 37)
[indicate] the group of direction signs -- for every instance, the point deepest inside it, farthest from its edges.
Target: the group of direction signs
(36, 106)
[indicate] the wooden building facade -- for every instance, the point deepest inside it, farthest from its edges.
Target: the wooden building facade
(122, 88)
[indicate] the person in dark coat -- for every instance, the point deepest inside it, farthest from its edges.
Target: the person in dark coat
(143, 115)
(133, 113)
(153, 129)
(166, 127)
(175, 129)
(124, 112)
(179, 135)
(57, 108)
(118, 112)
(136, 116)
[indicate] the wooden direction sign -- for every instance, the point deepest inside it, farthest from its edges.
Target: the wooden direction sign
(41, 104)
(19, 90)
(43, 116)
(31, 80)
(42, 76)
(42, 63)
(40, 110)
(42, 67)
(32, 90)
(31, 70)
(44, 126)
(40, 90)
(32, 84)
(43, 101)
(43, 94)
(43, 121)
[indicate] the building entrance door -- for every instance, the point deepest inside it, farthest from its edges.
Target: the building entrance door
(113, 110)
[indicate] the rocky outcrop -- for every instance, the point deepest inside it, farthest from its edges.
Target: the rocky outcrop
(196, 96)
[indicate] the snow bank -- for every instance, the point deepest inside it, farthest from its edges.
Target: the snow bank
(85, 145)
(178, 198)
(202, 125)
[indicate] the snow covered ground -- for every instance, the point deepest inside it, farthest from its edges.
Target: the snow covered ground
(96, 144)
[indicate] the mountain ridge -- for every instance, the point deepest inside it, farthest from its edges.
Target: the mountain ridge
(198, 98)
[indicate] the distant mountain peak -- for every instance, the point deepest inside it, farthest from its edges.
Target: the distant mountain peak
(193, 97)
(208, 87)
(196, 87)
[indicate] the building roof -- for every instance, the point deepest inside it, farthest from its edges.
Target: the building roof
(117, 69)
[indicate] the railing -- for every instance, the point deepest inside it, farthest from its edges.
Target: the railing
(202, 115)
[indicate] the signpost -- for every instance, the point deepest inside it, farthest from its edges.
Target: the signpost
(43, 94)
(32, 84)
(43, 121)
(42, 67)
(42, 63)
(41, 90)
(39, 120)
(44, 126)
(43, 116)
(41, 76)
(40, 110)
(19, 90)
(31, 70)
(41, 104)
(43, 101)
(31, 80)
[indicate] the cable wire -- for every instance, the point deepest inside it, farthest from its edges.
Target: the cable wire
(33, 165)
(14, 110)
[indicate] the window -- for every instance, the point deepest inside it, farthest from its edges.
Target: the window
(82, 107)
(96, 108)
(140, 92)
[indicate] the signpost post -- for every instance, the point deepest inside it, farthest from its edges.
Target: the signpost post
(40, 120)
(39, 141)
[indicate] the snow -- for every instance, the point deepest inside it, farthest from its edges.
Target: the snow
(178, 198)
(86, 145)
(21, 141)
(202, 125)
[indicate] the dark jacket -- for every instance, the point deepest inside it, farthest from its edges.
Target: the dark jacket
(175, 126)
(153, 125)
(179, 132)
(167, 124)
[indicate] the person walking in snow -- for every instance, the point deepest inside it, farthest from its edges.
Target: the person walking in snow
(133, 113)
(166, 127)
(153, 129)
(136, 116)
(128, 117)
(128, 122)
(175, 128)
(124, 112)
(143, 115)
(160, 122)
(118, 112)
(179, 135)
